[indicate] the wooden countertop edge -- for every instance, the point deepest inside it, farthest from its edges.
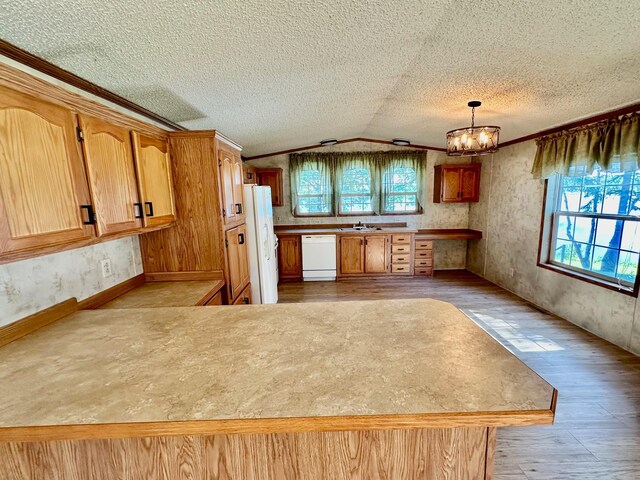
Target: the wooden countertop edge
(278, 425)
(219, 285)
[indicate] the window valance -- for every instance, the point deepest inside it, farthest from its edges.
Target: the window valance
(612, 145)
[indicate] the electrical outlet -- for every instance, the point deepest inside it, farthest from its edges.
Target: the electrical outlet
(107, 271)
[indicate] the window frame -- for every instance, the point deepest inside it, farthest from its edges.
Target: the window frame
(547, 242)
(330, 213)
(356, 195)
(383, 198)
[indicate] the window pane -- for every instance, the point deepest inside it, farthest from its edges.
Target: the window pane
(581, 255)
(313, 193)
(627, 266)
(606, 230)
(355, 196)
(401, 190)
(585, 229)
(604, 261)
(571, 193)
(565, 227)
(634, 203)
(606, 246)
(631, 236)
(562, 252)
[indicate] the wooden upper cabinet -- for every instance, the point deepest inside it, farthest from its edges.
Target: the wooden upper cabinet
(112, 179)
(457, 183)
(237, 260)
(42, 180)
(470, 184)
(351, 255)
(249, 173)
(154, 179)
(290, 257)
(231, 180)
(376, 254)
(272, 177)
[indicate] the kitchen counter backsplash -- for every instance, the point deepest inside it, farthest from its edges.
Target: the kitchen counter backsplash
(29, 286)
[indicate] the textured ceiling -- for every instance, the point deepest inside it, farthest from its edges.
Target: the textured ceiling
(279, 74)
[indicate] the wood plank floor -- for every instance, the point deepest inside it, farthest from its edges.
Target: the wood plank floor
(597, 430)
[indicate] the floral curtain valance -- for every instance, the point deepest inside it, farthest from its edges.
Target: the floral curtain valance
(331, 167)
(612, 145)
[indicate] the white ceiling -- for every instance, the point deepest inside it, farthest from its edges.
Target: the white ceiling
(279, 74)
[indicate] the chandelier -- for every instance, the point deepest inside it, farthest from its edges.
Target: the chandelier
(473, 140)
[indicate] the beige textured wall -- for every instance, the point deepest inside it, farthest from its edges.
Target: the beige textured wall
(448, 254)
(509, 215)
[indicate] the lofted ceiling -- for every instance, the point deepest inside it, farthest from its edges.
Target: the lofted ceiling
(276, 74)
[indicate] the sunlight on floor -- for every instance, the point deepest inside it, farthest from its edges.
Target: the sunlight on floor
(511, 336)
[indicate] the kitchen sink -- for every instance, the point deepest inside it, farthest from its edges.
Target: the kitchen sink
(360, 229)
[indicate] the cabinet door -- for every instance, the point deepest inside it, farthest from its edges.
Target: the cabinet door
(351, 255)
(112, 179)
(450, 184)
(154, 179)
(238, 262)
(375, 254)
(244, 298)
(238, 188)
(226, 161)
(249, 174)
(42, 180)
(290, 257)
(272, 177)
(470, 184)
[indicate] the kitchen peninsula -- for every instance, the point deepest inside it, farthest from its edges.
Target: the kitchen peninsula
(263, 392)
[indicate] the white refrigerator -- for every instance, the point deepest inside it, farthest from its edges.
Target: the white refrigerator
(262, 244)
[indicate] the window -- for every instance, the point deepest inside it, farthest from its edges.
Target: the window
(357, 183)
(355, 195)
(595, 224)
(313, 195)
(400, 187)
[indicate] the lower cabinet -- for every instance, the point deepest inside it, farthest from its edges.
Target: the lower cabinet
(244, 298)
(237, 259)
(364, 254)
(351, 255)
(215, 300)
(376, 254)
(290, 257)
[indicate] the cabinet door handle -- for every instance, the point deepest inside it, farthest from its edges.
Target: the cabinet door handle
(91, 215)
(238, 208)
(149, 206)
(245, 300)
(241, 239)
(137, 210)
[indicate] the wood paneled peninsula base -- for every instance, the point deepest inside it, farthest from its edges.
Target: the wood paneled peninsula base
(263, 392)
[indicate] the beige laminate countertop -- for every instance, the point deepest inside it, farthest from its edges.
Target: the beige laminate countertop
(167, 294)
(261, 368)
(338, 231)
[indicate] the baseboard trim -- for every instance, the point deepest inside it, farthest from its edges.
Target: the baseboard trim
(99, 299)
(30, 324)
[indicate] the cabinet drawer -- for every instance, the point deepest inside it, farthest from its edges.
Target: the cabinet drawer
(400, 258)
(400, 268)
(423, 271)
(401, 249)
(400, 238)
(427, 262)
(424, 254)
(424, 244)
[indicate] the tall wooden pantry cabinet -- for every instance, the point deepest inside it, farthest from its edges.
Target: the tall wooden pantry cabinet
(210, 233)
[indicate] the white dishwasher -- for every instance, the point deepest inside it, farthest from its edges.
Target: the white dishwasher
(318, 257)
